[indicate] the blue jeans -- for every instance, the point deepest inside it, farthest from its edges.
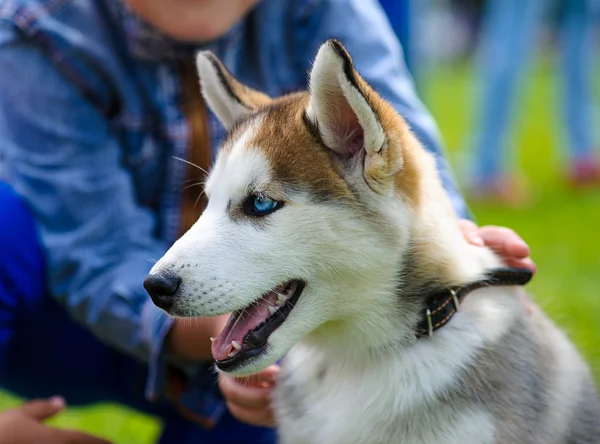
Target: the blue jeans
(43, 353)
(509, 31)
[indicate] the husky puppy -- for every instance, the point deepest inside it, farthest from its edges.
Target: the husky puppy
(329, 237)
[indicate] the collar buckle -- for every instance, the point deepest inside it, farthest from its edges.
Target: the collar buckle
(429, 323)
(454, 299)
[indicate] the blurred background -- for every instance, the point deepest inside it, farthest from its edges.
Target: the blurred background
(515, 88)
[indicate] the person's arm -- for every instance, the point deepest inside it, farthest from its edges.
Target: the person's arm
(99, 242)
(363, 28)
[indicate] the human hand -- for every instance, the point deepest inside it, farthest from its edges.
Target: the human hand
(188, 339)
(503, 241)
(249, 398)
(507, 244)
(23, 425)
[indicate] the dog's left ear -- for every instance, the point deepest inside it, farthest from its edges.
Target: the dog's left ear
(347, 112)
(227, 98)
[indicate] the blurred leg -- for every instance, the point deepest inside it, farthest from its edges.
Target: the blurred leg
(576, 64)
(509, 29)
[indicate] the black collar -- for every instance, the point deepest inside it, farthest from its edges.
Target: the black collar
(442, 305)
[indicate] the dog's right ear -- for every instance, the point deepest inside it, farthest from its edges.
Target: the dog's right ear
(347, 113)
(227, 98)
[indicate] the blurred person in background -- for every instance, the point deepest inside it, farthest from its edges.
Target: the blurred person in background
(99, 105)
(510, 28)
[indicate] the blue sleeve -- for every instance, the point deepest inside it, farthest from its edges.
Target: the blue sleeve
(363, 28)
(98, 241)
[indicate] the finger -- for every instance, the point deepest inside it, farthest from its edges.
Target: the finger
(73, 437)
(265, 378)
(470, 231)
(504, 241)
(466, 224)
(244, 396)
(41, 409)
(522, 263)
(257, 417)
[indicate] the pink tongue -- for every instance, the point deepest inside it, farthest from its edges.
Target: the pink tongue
(239, 325)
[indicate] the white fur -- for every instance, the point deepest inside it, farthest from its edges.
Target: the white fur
(396, 389)
(566, 376)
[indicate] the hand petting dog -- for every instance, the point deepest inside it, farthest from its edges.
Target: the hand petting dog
(503, 241)
(248, 398)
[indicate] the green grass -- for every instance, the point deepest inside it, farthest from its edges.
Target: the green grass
(562, 228)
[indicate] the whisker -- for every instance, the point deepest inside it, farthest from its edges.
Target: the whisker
(190, 163)
(198, 198)
(192, 185)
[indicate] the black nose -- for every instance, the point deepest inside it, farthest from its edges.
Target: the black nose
(162, 288)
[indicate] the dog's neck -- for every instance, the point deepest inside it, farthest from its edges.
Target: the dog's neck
(435, 256)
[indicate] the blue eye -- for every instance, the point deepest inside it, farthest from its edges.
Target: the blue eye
(259, 205)
(263, 205)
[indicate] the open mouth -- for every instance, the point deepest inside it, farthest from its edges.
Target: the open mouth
(246, 332)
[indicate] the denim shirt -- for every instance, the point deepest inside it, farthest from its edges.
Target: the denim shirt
(90, 124)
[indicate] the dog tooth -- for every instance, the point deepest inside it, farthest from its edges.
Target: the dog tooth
(281, 297)
(272, 309)
(236, 345)
(212, 339)
(280, 303)
(233, 353)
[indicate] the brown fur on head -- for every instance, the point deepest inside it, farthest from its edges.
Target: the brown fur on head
(321, 118)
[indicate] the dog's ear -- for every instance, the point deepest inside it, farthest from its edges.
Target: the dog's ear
(340, 104)
(228, 99)
(346, 111)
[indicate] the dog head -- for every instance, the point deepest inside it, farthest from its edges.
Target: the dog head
(309, 204)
